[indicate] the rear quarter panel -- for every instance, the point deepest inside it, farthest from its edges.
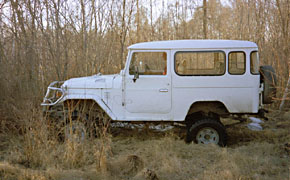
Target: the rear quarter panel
(239, 93)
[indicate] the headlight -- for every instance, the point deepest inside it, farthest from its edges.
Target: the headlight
(58, 94)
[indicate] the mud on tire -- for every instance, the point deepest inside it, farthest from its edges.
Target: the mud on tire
(207, 131)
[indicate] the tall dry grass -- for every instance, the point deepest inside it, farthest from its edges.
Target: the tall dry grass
(39, 44)
(36, 146)
(254, 155)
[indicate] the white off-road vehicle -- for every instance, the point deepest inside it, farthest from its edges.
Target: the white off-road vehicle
(193, 82)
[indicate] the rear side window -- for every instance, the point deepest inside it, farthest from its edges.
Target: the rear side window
(200, 63)
(254, 62)
(237, 63)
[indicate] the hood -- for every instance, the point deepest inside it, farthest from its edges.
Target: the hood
(90, 82)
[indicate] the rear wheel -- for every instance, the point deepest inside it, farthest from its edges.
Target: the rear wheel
(207, 131)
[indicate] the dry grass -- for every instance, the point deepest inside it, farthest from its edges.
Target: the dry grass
(37, 154)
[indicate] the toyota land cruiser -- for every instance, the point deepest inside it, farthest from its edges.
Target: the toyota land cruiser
(194, 82)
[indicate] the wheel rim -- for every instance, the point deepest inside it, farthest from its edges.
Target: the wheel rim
(207, 135)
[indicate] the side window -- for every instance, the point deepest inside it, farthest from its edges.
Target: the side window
(200, 63)
(237, 63)
(149, 63)
(254, 62)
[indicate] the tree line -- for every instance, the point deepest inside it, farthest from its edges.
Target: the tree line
(46, 40)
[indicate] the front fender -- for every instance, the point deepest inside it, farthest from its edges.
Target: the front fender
(97, 99)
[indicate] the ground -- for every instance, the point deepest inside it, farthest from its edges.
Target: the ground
(147, 154)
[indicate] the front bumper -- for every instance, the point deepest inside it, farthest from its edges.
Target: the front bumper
(55, 93)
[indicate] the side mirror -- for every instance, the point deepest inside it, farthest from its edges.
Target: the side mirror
(122, 72)
(136, 74)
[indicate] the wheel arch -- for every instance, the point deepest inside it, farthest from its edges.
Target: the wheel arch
(99, 101)
(199, 109)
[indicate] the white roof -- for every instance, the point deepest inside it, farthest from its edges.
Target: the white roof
(194, 44)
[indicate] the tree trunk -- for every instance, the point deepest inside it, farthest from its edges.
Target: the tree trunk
(285, 94)
(204, 19)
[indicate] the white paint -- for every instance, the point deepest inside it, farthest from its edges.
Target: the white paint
(194, 44)
(168, 97)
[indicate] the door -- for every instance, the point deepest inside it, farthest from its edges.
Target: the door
(151, 92)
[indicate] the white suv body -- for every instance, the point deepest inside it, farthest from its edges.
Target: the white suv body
(222, 72)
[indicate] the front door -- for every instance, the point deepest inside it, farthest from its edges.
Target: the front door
(151, 92)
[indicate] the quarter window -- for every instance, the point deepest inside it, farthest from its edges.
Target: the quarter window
(254, 62)
(200, 63)
(237, 63)
(149, 63)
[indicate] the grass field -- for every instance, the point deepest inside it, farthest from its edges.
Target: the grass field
(36, 154)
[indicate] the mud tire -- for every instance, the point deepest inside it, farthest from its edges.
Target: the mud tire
(207, 127)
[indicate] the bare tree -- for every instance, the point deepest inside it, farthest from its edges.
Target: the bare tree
(204, 19)
(46, 40)
(125, 25)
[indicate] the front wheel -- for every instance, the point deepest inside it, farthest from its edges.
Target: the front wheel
(207, 131)
(75, 131)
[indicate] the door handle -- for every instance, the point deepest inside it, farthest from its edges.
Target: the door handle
(163, 90)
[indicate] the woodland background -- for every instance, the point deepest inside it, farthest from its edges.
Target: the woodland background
(46, 40)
